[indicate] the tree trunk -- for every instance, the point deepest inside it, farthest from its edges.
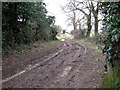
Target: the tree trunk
(89, 25)
(88, 34)
(79, 26)
(96, 26)
(74, 20)
(95, 14)
(74, 25)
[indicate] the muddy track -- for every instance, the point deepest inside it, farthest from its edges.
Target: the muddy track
(68, 67)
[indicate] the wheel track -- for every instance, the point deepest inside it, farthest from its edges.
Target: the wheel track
(58, 67)
(32, 67)
(66, 50)
(74, 66)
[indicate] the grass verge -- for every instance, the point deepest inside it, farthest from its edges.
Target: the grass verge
(112, 80)
(47, 46)
(25, 50)
(88, 44)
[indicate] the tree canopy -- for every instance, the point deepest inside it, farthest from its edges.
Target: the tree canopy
(25, 22)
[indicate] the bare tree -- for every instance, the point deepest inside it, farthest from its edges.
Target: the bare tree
(93, 7)
(89, 9)
(72, 14)
(95, 14)
(87, 14)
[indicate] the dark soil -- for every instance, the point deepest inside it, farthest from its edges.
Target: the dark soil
(68, 65)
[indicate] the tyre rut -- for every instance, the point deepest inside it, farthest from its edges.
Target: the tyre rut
(62, 69)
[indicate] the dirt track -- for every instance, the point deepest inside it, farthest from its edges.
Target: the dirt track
(66, 67)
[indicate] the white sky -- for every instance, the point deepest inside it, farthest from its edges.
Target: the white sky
(54, 8)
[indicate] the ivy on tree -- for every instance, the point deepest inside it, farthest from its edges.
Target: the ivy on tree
(111, 24)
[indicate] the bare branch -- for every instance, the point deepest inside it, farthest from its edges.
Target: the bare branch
(81, 11)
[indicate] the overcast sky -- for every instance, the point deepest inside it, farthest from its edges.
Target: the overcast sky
(54, 8)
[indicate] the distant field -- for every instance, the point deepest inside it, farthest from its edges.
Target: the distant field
(66, 35)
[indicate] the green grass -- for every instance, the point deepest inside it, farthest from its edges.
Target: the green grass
(34, 47)
(46, 46)
(102, 73)
(92, 34)
(88, 45)
(112, 80)
(63, 36)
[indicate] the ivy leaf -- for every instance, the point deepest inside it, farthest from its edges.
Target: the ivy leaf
(109, 48)
(115, 55)
(116, 37)
(109, 58)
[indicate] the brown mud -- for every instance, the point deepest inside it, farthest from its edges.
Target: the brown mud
(69, 65)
